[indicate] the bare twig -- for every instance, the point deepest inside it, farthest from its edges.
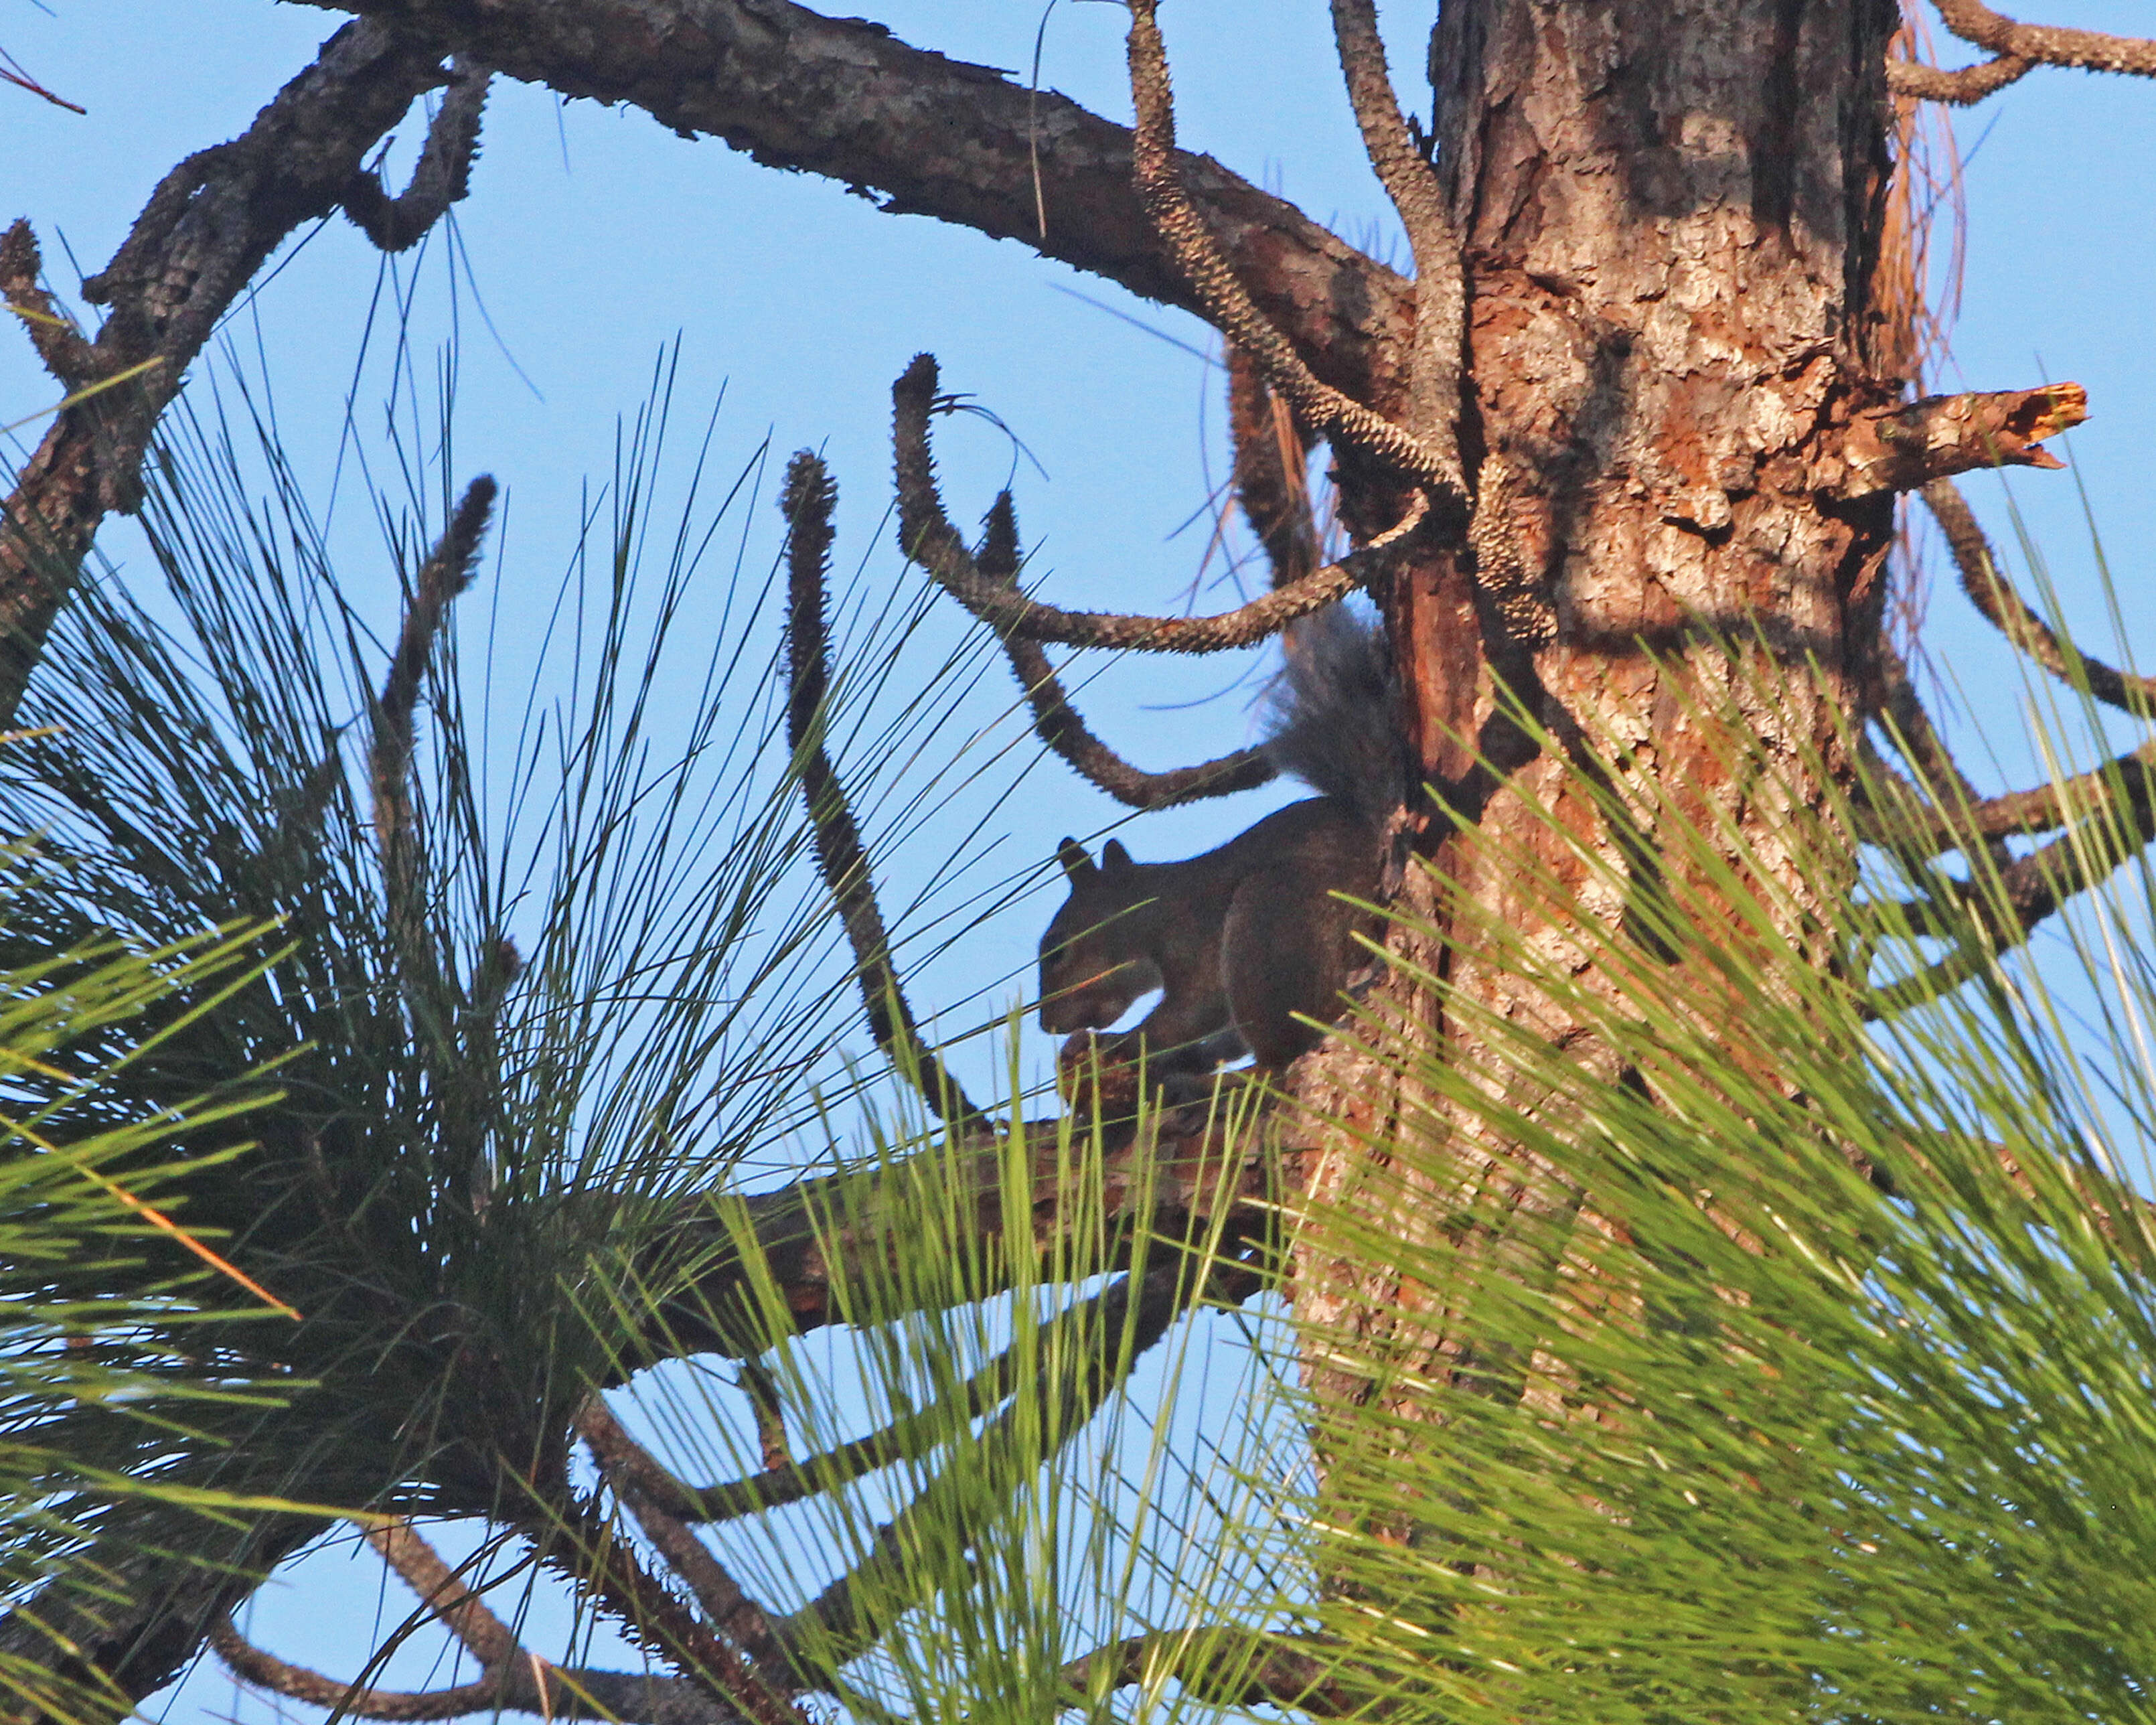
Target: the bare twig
(2007, 612)
(1227, 304)
(1901, 448)
(809, 499)
(927, 536)
(2008, 906)
(441, 177)
(1934, 812)
(205, 231)
(1921, 827)
(1058, 724)
(1433, 399)
(2048, 44)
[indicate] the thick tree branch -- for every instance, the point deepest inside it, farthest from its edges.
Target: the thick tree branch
(1058, 724)
(928, 538)
(2008, 613)
(205, 232)
(906, 1438)
(808, 500)
(1903, 448)
(811, 1242)
(2048, 44)
(933, 136)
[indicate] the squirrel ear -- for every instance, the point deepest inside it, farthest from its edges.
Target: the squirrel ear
(1114, 856)
(1077, 862)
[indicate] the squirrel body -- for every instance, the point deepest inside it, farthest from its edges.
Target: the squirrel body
(1251, 944)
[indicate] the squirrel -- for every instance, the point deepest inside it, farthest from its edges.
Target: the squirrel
(1251, 942)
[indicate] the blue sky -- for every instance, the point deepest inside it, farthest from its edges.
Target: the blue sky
(597, 240)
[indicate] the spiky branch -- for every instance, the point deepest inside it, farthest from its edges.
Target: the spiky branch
(929, 539)
(1058, 723)
(810, 497)
(2016, 48)
(510, 1679)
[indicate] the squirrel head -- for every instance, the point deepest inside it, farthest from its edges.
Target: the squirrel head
(1094, 961)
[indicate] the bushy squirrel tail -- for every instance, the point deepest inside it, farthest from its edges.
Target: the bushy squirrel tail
(1332, 714)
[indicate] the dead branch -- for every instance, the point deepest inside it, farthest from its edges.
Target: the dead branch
(852, 1615)
(1272, 458)
(1961, 87)
(2048, 44)
(906, 1438)
(68, 355)
(1919, 819)
(627, 1465)
(845, 98)
(582, 1545)
(1222, 1665)
(447, 572)
(1902, 449)
(1930, 827)
(1432, 409)
(2008, 906)
(2008, 613)
(200, 238)
(928, 538)
(526, 1684)
(441, 177)
(443, 1592)
(1227, 303)
(1058, 724)
(761, 1387)
(809, 499)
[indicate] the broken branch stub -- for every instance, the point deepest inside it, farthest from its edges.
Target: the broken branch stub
(1905, 448)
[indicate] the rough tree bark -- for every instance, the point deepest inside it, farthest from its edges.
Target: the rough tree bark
(1670, 218)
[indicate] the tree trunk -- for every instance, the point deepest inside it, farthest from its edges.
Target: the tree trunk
(1672, 216)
